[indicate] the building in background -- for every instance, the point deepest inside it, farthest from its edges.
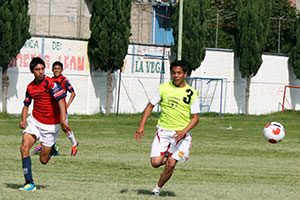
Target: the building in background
(60, 18)
(150, 22)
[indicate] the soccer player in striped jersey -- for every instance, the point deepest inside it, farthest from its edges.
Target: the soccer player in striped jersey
(57, 69)
(48, 112)
(179, 114)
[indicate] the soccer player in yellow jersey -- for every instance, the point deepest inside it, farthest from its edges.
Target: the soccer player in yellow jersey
(179, 114)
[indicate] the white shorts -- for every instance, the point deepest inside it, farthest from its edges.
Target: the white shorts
(164, 142)
(46, 133)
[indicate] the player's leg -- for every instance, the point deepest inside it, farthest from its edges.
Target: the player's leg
(72, 139)
(27, 142)
(167, 172)
(165, 175)
(158, 161)
(159, 148)
(45, 154)
(49, 135)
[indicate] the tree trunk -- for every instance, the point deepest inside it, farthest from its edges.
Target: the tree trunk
(108, 92)
(247, 96)
(4, 89)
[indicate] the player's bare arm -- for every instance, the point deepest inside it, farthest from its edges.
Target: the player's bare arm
(62, 108)
(23, 123)
(140, 131)
(73, 94)
(194, 121)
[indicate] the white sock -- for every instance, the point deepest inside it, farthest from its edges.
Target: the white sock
(71, 137)
(156, 189)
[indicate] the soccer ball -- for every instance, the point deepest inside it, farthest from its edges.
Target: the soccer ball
(274, 132)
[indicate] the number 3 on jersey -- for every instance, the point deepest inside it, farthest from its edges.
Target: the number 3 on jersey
(188, 98)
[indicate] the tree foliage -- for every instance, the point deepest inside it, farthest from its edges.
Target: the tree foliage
(14, 31)
(284, 10)
(252, 29)
(294, 55)
(253, 19)
(193, 33)
(110, 32)
(228, 9)
(217, 37)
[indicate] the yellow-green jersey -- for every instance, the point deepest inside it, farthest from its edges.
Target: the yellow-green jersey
(177, 105)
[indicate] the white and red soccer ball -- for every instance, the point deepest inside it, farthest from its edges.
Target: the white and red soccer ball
(274, 132)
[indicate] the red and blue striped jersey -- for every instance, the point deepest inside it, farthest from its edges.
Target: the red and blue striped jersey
(45, 96)
(65, 83)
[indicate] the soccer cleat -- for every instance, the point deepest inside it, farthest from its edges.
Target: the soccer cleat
(38, 148)
(54, 150)
(155, 193)
(28, 187)
(74, 149)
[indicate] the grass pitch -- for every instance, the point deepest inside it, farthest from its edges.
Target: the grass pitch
(225, 163)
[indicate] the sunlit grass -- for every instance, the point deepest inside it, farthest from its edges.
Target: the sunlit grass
(229, 159)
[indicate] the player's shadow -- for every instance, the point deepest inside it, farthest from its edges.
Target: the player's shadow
(37, 153)
(17, 186)
(162, 193)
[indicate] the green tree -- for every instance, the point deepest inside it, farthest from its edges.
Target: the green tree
(110, 32)
(216, 36)
(193, 33)
(280, 9)
(14, 31)
(294, 55)
(283, 15)
(253, 19)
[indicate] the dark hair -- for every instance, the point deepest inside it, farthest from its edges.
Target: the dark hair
(34, 62)
(58, 63)
(180, 63)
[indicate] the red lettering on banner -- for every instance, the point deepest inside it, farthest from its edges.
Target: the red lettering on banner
(73, 63)
(47, 62)
(19, 60)
(12, 62)
(80, 63)
(66, 65)
(26, 60)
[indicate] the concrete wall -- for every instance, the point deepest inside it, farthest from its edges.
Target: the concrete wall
(267, 87)
(63, 18)
(71, 19)
(142, 74)
(141, 22)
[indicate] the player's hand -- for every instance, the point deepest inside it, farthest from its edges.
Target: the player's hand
(23, 124)
(179, 135)
(139, 133)
(65, 127)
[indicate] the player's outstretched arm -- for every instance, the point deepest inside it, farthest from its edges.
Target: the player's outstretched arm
(62, 108)
(23, 123)
(194, 121)
(73, 94)
(140, 131)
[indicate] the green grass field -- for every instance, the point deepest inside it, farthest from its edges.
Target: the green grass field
(235, 163)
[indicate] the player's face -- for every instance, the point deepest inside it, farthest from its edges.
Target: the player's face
(57, 70)
(39, 72)
(178, 76)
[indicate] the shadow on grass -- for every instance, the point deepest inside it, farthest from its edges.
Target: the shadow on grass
(162, 193)
(37, 153)
(17, 186)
